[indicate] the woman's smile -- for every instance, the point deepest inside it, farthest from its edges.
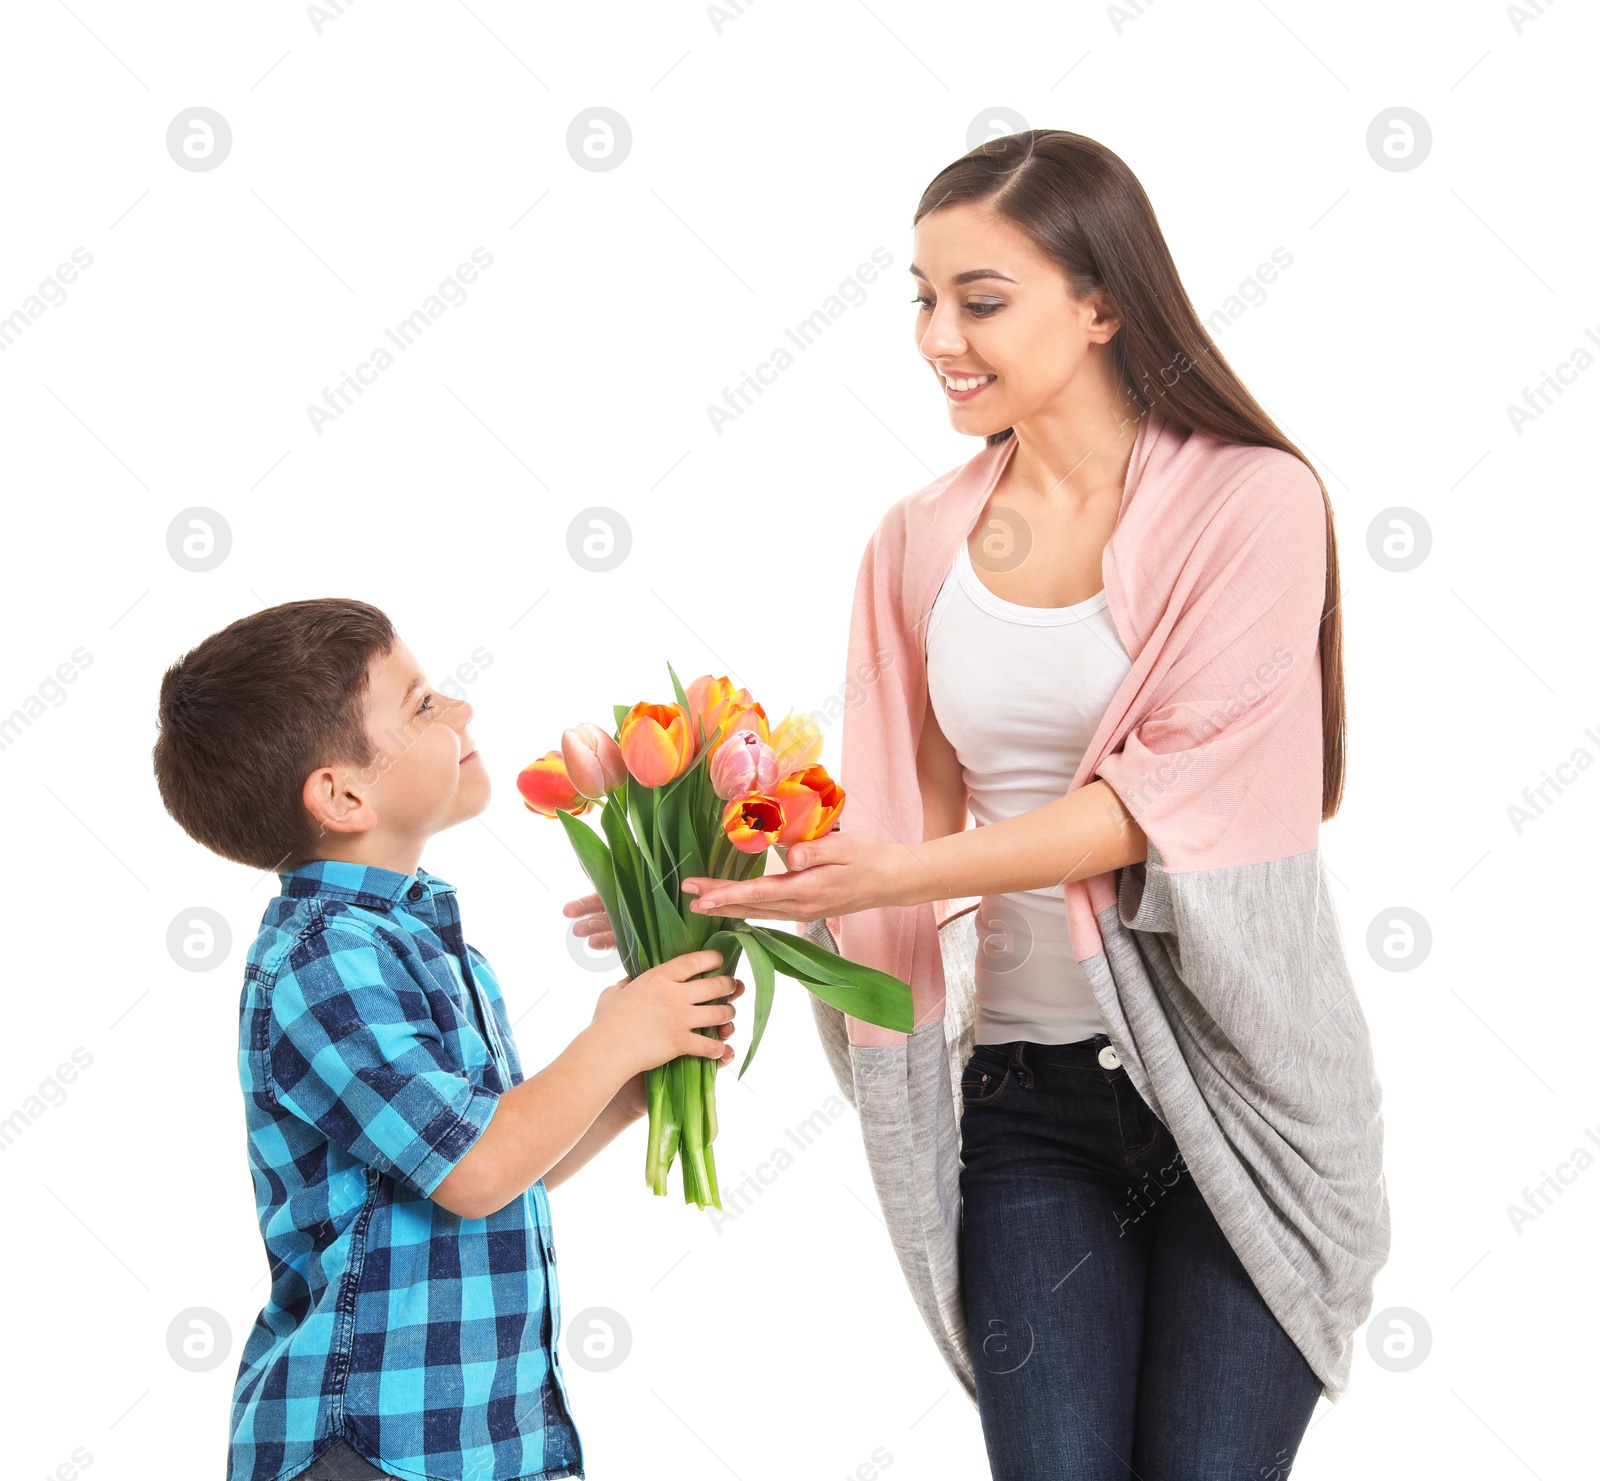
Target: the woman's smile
(966, 387)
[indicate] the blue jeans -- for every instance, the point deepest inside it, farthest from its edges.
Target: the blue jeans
(1114, 1332)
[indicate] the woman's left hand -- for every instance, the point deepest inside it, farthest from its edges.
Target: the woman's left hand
(591, 922)
(837, 874)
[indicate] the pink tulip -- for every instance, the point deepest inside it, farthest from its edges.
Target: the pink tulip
(594, 761)
(743, 763)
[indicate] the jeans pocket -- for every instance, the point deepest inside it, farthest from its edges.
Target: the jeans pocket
(984, 1077)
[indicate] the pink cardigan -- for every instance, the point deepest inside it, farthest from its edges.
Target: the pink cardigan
(1217, 962)
(1217, 753)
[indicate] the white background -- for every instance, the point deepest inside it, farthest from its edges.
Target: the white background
(772, 153)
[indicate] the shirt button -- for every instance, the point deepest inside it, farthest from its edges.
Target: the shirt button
(416, 892)
(1108, 1058)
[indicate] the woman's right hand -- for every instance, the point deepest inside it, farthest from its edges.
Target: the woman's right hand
(593, 922)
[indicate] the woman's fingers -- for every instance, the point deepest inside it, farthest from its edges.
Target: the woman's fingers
(765, 899)
(587, 905)
(829, 849)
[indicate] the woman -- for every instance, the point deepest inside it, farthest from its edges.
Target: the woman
(1112, 636)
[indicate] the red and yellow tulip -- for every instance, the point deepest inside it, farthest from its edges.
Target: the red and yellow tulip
(546, 788)
(752, 824)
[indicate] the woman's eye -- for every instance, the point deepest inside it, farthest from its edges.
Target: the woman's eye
(426, 705)
(979, 310)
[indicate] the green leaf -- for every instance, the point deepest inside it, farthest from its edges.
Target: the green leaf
(671, 931)
(761, 970)
(596, 863)
(632, 894)
(729, 944)
(621, 712)
(641, 815)
(683, 699)
(686, 841)
(696, 725)
(861, 991)
(784, 947)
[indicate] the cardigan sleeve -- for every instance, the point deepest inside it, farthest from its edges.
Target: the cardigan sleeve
(1225, 765)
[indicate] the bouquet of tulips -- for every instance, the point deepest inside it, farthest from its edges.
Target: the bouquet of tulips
(701, 787)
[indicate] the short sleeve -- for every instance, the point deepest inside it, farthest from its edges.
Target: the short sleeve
(353, 1050)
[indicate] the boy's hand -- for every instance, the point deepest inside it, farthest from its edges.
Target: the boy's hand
(635, 1095)
(593, 922)
(652, 1018)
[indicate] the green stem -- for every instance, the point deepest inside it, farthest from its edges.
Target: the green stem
(694, 1135)
(708, 1101)
(719, 850)
(713, 1197)
(653, 1173)
(663, 1127)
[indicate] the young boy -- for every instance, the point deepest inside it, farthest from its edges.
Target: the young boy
(400, 1159)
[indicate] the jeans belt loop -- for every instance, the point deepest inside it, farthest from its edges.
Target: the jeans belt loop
(1020, 1064)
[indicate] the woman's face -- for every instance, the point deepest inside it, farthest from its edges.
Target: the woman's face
(993, 309)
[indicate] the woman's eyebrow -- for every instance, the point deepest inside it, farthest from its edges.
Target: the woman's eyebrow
(970, 276)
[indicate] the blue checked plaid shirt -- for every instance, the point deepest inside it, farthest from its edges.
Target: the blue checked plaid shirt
(428, 1341)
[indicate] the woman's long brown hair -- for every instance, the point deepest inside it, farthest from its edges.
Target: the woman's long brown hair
(1086, 210)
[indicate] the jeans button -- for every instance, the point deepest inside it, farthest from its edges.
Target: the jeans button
(1108, 1058)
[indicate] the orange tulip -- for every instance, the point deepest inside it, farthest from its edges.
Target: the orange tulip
(716, 702)
(748, 716)
(796, 743)
(752, 823)
(708, 697)
(546, 788)
(657, 744)
(811, 801)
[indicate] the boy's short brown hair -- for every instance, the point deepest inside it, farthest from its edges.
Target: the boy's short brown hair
(247, 715)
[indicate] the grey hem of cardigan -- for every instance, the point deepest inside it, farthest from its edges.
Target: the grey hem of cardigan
(1228, 999)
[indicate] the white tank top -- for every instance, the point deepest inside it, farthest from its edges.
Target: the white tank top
(1019, 692)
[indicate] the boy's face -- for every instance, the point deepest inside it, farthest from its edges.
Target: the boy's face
(426, 774)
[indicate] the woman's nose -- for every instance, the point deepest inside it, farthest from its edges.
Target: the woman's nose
(942, 339)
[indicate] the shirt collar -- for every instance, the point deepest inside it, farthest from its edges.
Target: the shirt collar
(360, 884)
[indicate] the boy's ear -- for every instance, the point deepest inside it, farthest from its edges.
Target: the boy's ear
(337, 802)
